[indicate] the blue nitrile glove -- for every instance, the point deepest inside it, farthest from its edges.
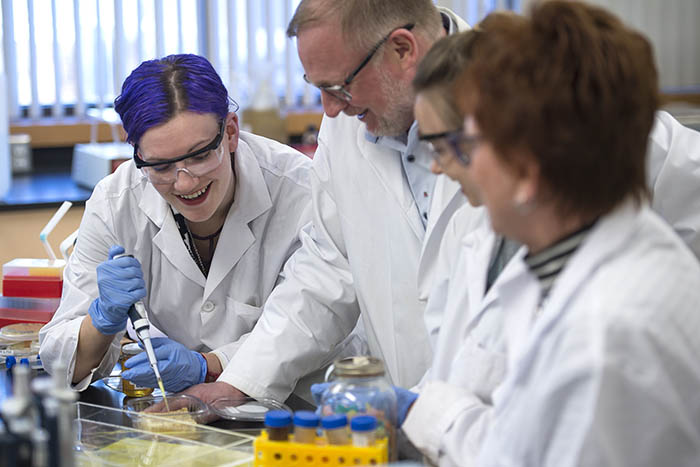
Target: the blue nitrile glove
(179, 366)
(120, 282)
(317, 391)
(404, 401)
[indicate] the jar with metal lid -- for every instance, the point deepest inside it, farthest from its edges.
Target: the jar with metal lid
(129, 388)
(359, 386)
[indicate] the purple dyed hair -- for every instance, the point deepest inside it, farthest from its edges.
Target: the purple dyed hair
(158, 90)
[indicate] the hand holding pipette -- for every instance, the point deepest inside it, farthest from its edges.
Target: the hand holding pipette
(137, 311)
(120, 283)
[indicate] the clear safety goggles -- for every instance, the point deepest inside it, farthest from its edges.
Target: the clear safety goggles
(195, 164)
(451, 144)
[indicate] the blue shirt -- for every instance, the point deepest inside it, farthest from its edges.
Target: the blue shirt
(415, 156)
(415, 160)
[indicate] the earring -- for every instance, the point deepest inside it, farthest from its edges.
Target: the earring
(523, 204)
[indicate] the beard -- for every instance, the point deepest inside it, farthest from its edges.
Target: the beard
(398, 117)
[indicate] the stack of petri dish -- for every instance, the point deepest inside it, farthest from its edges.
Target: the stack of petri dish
(20, 341)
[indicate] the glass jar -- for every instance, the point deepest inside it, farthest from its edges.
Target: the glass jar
(359, 386)
(129, 388)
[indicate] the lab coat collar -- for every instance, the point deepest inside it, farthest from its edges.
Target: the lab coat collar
(607, 237)
(251, 200)
(480, 245)
(168, 239)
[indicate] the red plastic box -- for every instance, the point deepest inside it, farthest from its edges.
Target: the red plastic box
(32, 286)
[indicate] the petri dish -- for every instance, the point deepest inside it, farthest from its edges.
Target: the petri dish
(19, 349)
(149, 414)
(245, 409)
(21, 331)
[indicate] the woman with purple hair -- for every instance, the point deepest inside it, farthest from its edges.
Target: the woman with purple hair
(210, 215)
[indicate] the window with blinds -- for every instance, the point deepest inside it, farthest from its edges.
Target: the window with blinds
(64, 57)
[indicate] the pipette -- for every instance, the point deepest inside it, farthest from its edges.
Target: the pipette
(139, 319)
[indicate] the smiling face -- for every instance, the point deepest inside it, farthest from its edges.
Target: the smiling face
(381, 92)
(209, 196)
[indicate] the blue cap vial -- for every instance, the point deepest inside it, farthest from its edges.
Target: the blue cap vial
(363, 423)
(10, 361)
(337, 420)
(278, 418)
(306, 419)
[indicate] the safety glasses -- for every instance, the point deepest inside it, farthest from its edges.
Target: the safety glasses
(196, 163)
(451, 144)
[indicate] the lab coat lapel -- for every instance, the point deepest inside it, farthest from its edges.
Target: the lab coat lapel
(386, 164)
(478, 262)
(447, 199)
(606, 238)
(168, 239)
(251, 200)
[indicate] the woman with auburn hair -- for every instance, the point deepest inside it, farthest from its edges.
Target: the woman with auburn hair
(602, 329)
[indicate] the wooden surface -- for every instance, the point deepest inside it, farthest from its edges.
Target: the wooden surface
(19, 232)
(49, 132)
(53, 133)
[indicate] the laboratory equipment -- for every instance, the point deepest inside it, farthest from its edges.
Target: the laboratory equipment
(305, 426)
(139, 319)
(359, 387)
(335, 427)
(245, 409)
(127, 387)
(111, 436)
(363, 428)
(278, 424)
(278, 449)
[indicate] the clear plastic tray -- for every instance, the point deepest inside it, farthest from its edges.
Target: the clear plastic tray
(107, 436)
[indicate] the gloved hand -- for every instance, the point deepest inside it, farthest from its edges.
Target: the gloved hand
(404, 401)
(120, 282)
(317, 391)
(179, 366)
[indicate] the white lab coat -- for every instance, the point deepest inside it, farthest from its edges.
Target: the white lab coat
(363, 255)
(451, 416)
(272, 203)
(673, 163)
(608, 373)
(470, 354)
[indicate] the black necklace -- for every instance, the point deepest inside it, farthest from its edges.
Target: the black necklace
(198, 258)
(188, 237)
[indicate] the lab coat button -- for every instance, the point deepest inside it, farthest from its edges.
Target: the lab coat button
(410, 158)
(208, 306)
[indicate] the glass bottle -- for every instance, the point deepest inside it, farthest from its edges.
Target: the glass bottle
(360, 386)
(129, 388)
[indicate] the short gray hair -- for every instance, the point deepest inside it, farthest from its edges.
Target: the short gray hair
(364, 22)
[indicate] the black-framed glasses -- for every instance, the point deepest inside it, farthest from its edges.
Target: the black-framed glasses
(339, 91)
(451, 143)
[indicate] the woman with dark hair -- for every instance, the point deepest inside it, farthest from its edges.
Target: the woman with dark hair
(210, 215)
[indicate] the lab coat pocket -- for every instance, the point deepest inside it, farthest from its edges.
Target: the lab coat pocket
(245, 316)
(482, 369)
(225, 326)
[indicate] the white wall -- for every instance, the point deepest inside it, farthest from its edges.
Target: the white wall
(671, 25)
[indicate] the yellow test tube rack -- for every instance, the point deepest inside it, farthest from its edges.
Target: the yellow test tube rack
(290, 454)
